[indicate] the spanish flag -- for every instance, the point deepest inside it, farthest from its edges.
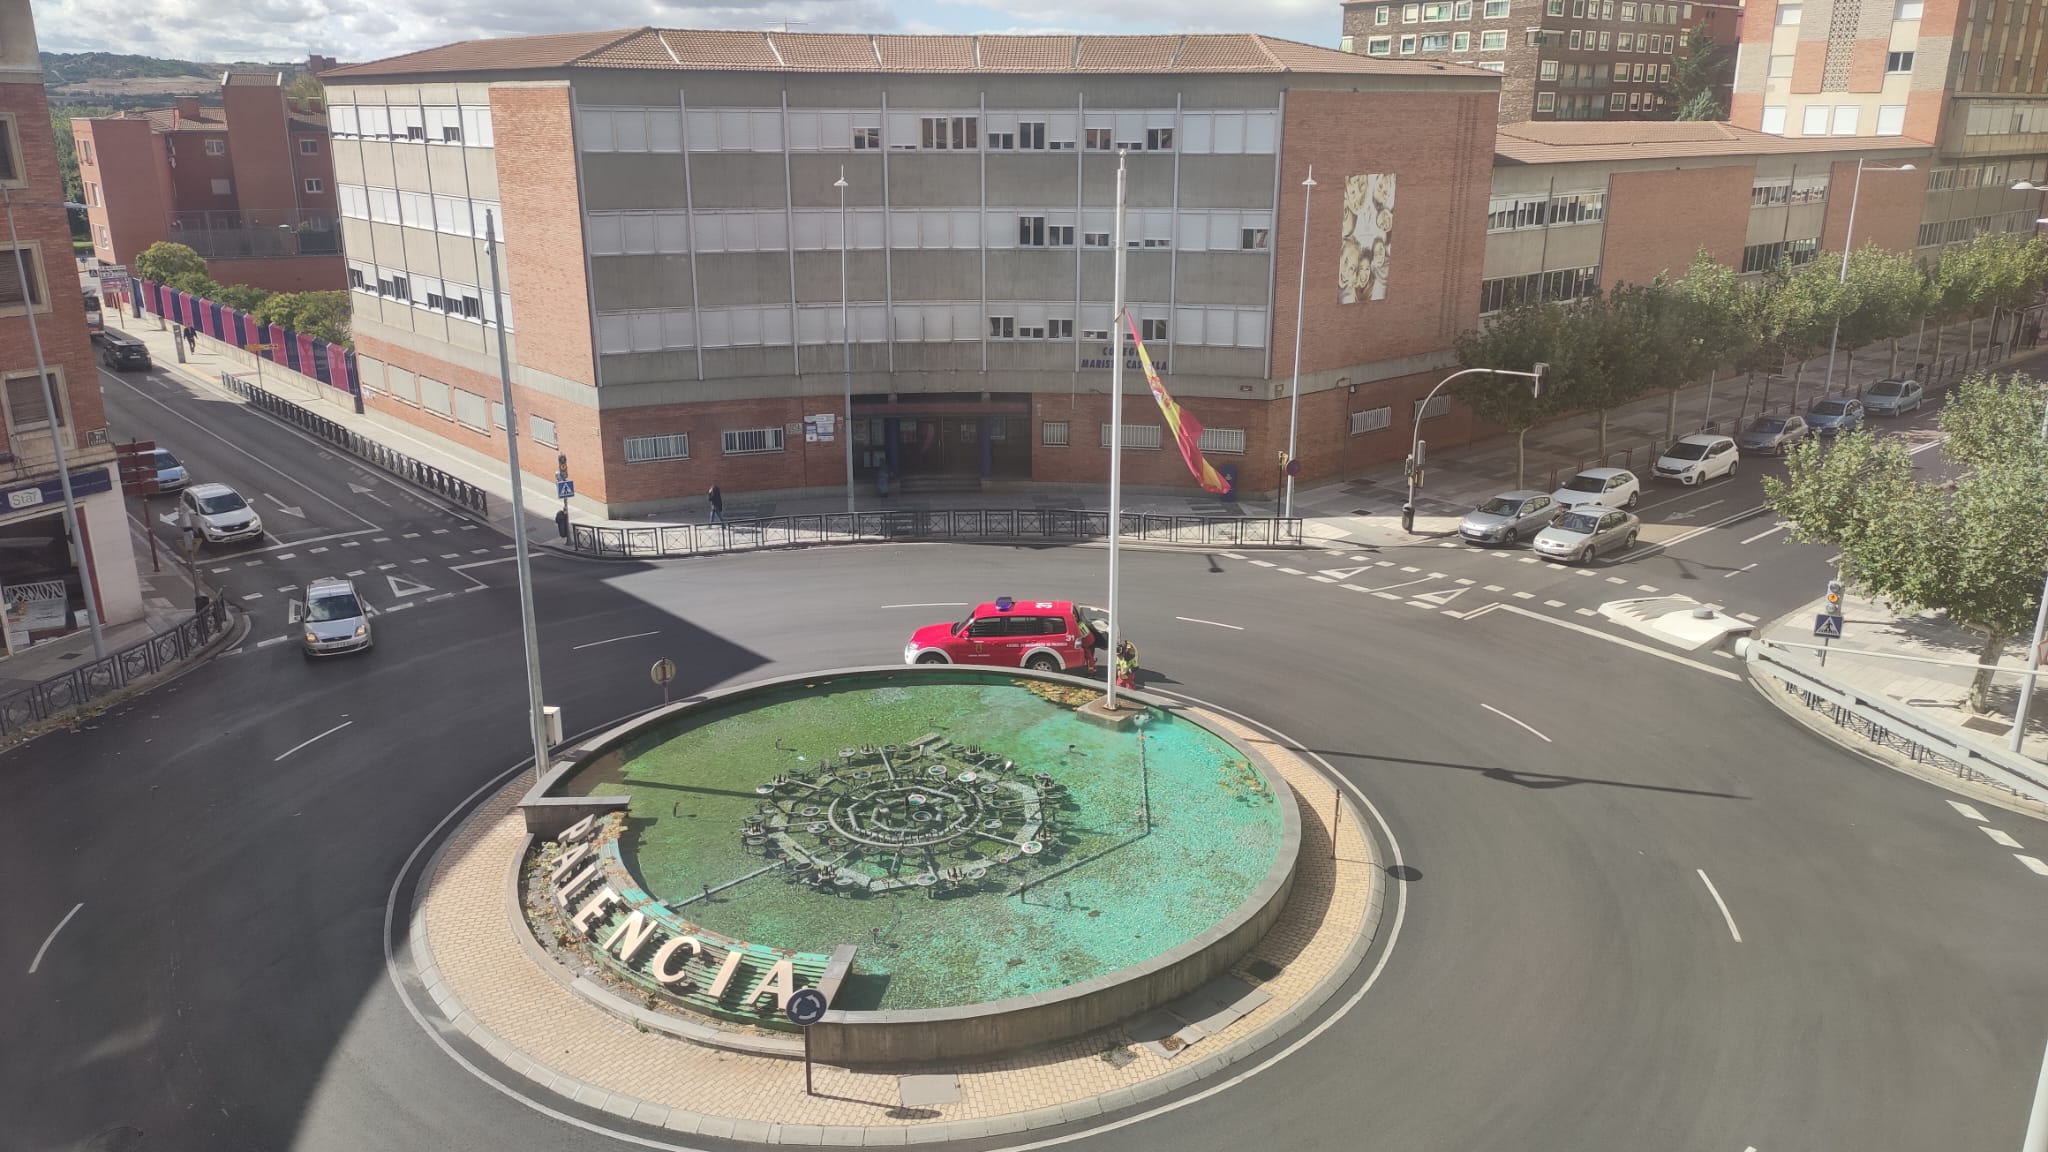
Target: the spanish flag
(1186, 429)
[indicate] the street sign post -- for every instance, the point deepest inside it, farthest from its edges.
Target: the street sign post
(662, 673)
(1827, 626)
(565, 488)
(806, 1007)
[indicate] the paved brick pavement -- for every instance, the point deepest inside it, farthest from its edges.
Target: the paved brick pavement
(491, 989)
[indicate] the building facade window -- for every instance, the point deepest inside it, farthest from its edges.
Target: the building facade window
(1371, 420)
(216, 147)
(1814, 120)
(1561, 284)
(309, 147)
(1141, 436)
(1407, 45)
(1382, 15)
(750, 441)
(28, 406)
(667, 446)
(1053, 433)
(1498, 9)
(1493, 41)
(1891, 120)
(1768, 257)
(15, 295)
(542, 430)
(1547, 70)
(315, 185)
(1379, 46)
(1908, 10)
(1847, 117)
(1546, 101)
(1461, 41)
(1576, 35)
(1898, 62)
(1788, 14)
(1773, 121)
(1436, 42)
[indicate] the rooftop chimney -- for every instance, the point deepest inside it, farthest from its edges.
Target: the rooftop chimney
(188, 108)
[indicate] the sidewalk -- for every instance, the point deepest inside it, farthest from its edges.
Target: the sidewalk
(1867, 658)
(166, 603)
(1364, 509)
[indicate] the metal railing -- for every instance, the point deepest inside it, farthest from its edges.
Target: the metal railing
(424, 476)
(78, 687)
(1062, 525)
(1891, 725)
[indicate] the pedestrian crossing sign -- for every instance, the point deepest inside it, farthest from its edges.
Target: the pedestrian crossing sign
(1827, 625)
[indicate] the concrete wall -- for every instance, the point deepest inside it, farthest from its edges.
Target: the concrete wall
(283, 273)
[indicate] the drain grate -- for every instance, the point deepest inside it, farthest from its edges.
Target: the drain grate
(1262, 969)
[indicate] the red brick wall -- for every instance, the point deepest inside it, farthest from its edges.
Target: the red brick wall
(1866, 65)
(260, 148)
(1440, 150)
(319, 166)
(39, 218)
(798, 465)
(1887, 212)
(283, 273)
(129, 166)
(575, 426)
(1809, 60)
(193, 176)
(543, 224)
(1641, 242)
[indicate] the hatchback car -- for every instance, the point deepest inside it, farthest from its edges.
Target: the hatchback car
(1585, 533)
(170, 471)
(1614, 487)
(1894, 397)
(221, 514)
(1834, 416)
(1695, 458)
(1773, 434)
(1042, 635)
(336, 619)
(1509, 517)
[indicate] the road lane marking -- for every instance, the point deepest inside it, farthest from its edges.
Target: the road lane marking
(1616, 580)
(1512, 720)
(451, 555)
(1495, 588)
(1611, 639)
(1386, 596)
(1353, 588)
(1324, 579)
(317, 551)
(289, 588)
(1526, 559)
(1525, 596)
(1738, 571)
(1405, 568)
(1781, 526)
(1553, 603)
(1715, 893)
(1264, 563)
(410, 536)
(1646, 587)
(322, 736)
(354, 572)
(1682, 537)
(1376, 563)
(2002, 839)
(1968, 811)
(253, 596)
(272, 640)
(1291, 571)
(930, 604)
(440, 531)
(287, 556)
(1585, 611)
(614, 640)
(1231, 556)
(442, 596)
(219, 570)
(2033, 865)
(1746, 616)
(38, 961)
(1464, 581)
(1211, 623)
(1403, 584)
(385, 567)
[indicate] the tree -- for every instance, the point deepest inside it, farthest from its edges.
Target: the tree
(323, 315)
(165, 262)
(1713, 327)
(1973, 547)
(1807, 300)
(246, 297)
(1612, 349)
(1887, 294)
(306, 86)
(1528, 333)
(1694, 77)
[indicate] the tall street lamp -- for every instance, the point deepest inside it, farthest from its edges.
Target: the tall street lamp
(1848, 245)
(845, 340)
(1308, 190)
(1535, 379)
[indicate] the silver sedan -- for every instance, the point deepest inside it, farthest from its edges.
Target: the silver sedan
(1585, 532)
(1509, 517)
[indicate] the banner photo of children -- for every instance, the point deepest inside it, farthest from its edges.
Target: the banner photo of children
(1368, 238)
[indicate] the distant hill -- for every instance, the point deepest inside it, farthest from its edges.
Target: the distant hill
(78, 77)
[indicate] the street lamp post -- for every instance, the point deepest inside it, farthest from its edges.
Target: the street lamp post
(1535, 379)
(845, 340)
(1308, 190)
(1848, 244)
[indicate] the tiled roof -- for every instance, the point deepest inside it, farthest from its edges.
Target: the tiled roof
(730, 51)
(1571, 141)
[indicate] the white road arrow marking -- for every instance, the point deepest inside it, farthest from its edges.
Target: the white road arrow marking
(287, 509)
(361, 490)
(400, 586)
(171, 518)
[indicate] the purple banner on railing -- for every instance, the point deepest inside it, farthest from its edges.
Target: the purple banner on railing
(331, 364)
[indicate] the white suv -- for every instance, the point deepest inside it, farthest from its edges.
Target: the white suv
(1692, 459)
(221, 514)
(1613, 487)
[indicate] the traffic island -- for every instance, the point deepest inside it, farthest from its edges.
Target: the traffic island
(1018, 919)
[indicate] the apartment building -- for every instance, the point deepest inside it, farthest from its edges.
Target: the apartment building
(1963, 75)
(670, 204)
(1579, 207)
(1558, 59)
(247, 183)
(42, 588)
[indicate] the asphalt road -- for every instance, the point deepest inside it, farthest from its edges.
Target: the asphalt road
(1563, 977)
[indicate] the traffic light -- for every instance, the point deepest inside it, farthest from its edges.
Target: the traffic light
(1834, 598)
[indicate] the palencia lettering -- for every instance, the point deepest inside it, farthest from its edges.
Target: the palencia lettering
(690, 964)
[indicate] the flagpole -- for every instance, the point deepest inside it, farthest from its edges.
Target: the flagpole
(1116, 416)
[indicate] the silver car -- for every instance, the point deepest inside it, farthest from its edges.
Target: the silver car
(1581, 535)
(336, 619)
(1894, 397)
(1509, 517)
(1773, 434)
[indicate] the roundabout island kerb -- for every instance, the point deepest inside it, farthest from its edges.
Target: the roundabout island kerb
(1020, 909)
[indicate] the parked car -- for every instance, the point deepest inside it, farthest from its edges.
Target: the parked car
(1509, 517)
(221, 514)
(1834, 416)
(1692, 459)
(336, 619)
(1614, 487)
(1583, 534)
(1893, 397)
(170, 472)
(119, 350)
(1774, 434)
(1043, 635)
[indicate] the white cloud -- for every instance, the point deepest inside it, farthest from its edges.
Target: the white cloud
(284, 30)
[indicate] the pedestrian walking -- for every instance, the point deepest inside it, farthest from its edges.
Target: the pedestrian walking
(191, 339)
(717, 502)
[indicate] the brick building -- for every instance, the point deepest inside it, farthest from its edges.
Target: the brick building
(672, 243)
(41, 588)
(1967, 78)
(248, 184)
(1558, 59)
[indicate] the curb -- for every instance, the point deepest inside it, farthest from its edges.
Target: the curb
(458, 1020)
(1771, 689)
(235, 633)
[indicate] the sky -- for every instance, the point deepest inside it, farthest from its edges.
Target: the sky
(212, 31)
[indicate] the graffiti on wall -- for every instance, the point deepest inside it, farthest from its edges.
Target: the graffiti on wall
(1368, 238)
